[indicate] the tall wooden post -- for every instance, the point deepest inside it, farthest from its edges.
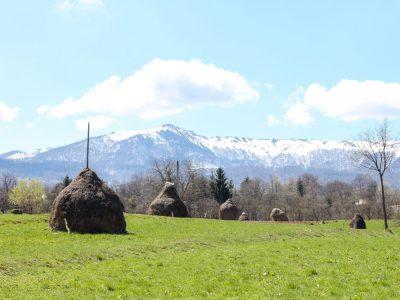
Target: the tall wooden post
(87, 146)
(177, 177)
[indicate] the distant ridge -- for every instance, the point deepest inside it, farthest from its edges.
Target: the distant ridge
(15, 154)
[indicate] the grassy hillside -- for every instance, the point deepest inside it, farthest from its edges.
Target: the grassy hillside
(166, 257)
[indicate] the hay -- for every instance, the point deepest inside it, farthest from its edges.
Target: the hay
(358, 222)
(228, 211)
(244, 216)
(168, 203)
(277, 215)
(88, 205)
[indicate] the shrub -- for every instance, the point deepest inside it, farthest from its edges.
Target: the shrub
(28, 195)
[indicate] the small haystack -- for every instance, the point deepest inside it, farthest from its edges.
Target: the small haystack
(168, 203)
(357, 222)
(277, 215)
(228, 211)
(244, 216)
(88, 205)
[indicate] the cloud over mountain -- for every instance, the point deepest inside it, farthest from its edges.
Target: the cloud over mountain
(348, 100)
(160, 88)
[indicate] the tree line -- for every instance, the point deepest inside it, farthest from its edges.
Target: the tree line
(303, 199)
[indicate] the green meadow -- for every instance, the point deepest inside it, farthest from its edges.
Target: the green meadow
(198, 258)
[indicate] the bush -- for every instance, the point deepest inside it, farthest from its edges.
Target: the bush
(28, 195)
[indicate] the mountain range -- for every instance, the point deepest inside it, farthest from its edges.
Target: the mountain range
(119, 155)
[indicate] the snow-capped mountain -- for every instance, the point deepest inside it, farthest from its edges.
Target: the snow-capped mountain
(16, 154)
(119, 155)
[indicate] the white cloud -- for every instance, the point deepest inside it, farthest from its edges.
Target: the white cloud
(81, 5)
(350, 100)
(30, 125)
(160, 88)
(43, 110)
(272, 120)
(298, 114)
(7, 113)
(96, 123)
(269, 86)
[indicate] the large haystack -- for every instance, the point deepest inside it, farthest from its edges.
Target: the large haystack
(168, 203)
(277, 215)
(228, 211)
(357, 222)
(244, 216)
(88, 205)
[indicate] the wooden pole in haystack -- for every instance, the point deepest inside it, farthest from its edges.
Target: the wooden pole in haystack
(177, 177)
(87, 145)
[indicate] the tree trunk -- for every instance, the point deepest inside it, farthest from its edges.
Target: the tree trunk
(384, 202)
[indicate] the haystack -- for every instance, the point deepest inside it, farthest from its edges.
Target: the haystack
(244, 216)
(357, 222)
(278, 215)
(88, 205)
(168, 203)
(228, 211)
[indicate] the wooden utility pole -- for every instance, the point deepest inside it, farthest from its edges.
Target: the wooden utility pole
(87, 146)
(177, 177)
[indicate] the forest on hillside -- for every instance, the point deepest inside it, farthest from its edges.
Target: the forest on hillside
(303, 198)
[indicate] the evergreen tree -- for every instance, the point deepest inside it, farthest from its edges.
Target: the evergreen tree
(221, 187)
(300, 188)
(246, 180)
(66, 181)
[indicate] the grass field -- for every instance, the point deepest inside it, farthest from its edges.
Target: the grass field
(195, 258)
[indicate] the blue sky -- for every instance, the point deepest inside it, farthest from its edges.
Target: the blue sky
(262, 69)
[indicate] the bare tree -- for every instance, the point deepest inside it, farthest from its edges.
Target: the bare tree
(164, 170)
(193, 188)
(376, 152)
(365, 190)
(339, 198)
(168, 170)
(189, 174)
(7, 182)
